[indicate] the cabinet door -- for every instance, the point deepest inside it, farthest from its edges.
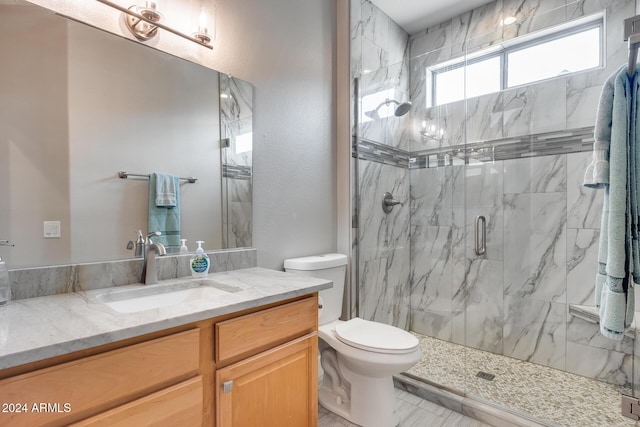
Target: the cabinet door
(180, 405)
(275, 388)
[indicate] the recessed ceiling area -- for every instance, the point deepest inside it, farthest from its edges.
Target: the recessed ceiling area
(416, 15)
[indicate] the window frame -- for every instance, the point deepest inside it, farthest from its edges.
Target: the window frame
(503, 50)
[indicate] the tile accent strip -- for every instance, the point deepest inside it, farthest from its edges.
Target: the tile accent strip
(236, 171)
(537, 145)
(381, 153)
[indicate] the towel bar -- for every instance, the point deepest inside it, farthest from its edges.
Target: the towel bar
(125, 175)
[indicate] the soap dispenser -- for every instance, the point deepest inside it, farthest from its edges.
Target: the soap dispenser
(5, 284)
(183, 248)
(199, 262)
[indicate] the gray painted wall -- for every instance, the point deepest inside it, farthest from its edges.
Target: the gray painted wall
(290, 60)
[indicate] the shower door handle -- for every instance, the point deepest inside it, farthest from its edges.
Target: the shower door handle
(481, 235)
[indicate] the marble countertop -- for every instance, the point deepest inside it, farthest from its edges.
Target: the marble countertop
(38, 328)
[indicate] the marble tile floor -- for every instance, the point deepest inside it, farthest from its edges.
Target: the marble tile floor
(413, 411)
(549, 395)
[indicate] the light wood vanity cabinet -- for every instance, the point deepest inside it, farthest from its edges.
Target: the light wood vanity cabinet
(273, 386)
(176, 377)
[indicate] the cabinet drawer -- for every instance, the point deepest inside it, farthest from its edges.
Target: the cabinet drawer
(255, 332)
(180, 405)
(93, 384)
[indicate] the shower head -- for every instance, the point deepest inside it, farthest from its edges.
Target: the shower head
(401, 109)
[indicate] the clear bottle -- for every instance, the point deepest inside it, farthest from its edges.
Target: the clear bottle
(183, 248)
(199, 262)
(5, 284)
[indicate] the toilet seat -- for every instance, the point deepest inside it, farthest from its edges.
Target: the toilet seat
(375, 337)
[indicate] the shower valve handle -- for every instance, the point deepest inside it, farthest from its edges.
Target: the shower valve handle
(388, 202)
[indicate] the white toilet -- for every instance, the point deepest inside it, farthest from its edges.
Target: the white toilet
(358, 356)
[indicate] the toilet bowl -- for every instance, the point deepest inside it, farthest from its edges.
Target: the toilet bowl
(358, 357)
(368, 372)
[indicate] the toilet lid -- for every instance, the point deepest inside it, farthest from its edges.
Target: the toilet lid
(376, 337)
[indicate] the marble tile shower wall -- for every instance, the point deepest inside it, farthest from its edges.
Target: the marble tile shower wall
(379, 58)
(522, 110)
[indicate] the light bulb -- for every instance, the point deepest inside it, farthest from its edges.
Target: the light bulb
(206, 22)
(202, 21)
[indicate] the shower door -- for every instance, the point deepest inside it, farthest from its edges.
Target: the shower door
(530, 232)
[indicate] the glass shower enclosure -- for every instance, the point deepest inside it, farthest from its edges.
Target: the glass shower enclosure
(489, 257)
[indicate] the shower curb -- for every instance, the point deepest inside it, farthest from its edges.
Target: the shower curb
(471, 407)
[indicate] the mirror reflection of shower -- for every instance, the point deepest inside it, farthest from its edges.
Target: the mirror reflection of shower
(401, 109)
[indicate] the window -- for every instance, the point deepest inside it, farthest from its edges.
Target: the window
(518, 62)
(483, 77)
(569, 54)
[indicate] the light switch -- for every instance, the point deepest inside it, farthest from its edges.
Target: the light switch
(51, 229)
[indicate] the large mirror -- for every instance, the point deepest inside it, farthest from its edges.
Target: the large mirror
(78, 105)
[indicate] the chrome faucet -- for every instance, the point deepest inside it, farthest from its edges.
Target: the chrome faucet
(141, 243)
(149, 270)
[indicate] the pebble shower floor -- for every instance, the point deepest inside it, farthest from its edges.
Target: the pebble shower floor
(547, 394)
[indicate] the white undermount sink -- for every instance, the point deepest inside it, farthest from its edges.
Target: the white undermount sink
(163, 295)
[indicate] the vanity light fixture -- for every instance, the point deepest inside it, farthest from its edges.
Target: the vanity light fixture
(144, 19)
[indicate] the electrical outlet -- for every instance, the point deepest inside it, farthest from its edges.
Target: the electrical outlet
(51, 229)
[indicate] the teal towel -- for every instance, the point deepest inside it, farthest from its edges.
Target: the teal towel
(615, 169)
(165, 219)
(167, 187)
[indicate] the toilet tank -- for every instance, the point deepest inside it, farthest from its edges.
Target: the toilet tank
(328, 266)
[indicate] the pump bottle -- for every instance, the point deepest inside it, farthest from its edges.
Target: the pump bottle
(199, 262)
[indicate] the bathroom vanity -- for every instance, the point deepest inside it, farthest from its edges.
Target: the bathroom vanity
(241, 358)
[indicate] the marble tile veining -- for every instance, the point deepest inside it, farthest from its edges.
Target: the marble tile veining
(535, 331)
(535, 250)
(431, 288)
(546, 174)
(582, 264)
